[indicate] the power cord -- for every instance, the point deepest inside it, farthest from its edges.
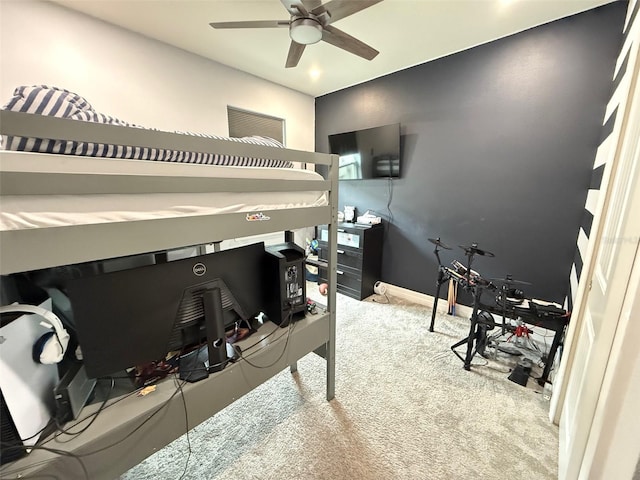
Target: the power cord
(62, 431)
(383, 303)
(103, 406)
(390, 198)
(186, 426)
(8, 447)
(290, 327)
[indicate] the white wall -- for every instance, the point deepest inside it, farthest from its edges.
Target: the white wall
(135, 78)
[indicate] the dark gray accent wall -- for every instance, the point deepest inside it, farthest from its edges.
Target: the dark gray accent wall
(498, 147)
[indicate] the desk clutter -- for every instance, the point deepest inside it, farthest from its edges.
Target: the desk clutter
(506, 300)
(189, 317)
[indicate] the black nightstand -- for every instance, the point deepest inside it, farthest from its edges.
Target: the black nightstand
(359, 257)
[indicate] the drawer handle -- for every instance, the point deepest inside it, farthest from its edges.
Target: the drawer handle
(340, 251)
(339, 272)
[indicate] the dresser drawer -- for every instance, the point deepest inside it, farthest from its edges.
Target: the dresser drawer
(350, 292)
(346, 258)
(349, 283)
(349, 279)
(347, 237)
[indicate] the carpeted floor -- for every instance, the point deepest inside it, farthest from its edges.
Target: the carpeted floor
(404, 409)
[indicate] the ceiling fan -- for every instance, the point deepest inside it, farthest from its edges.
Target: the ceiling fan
(310, 22)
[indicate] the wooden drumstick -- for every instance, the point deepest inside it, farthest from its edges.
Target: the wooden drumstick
(449, 296)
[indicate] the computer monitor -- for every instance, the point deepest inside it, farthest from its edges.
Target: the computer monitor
(135, 316)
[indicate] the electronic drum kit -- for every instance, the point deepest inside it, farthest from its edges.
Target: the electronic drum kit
(464, 274)
(509, 297)
(510, 301)
(460, 272)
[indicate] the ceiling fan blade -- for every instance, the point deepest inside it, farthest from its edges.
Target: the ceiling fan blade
(317, 9)
(292, 6)
(313, 6)
(295, 52)
(252, 24)
(339, 9)
(340, 39)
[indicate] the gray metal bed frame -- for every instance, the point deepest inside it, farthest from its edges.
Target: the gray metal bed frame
(129, 431)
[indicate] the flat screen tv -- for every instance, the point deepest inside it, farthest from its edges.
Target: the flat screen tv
(368, 153)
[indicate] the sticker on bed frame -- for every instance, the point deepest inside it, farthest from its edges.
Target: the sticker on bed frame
(257, 217)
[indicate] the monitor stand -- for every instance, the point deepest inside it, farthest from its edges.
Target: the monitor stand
(193, 366)
(217, 353)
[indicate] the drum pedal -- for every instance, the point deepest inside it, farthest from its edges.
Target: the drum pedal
(508, 349)
(521, 373)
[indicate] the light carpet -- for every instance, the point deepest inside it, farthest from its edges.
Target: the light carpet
(404, 409)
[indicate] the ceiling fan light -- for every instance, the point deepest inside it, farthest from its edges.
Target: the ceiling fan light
(305, 31)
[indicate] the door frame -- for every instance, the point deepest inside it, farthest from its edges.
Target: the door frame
(609, 447)
(584, 284)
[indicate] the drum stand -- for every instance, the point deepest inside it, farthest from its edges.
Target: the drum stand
(507, 283)
(473, 331)
(442, 278)
(477, 288)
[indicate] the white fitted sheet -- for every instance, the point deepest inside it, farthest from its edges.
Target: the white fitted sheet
(40, 211)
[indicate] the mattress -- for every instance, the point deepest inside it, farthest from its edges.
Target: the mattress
(20, 212)
(58, 102)
(34, 211)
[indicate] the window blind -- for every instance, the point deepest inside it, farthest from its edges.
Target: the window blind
(244, 124)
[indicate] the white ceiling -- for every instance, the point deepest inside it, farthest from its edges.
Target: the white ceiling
(406, 32)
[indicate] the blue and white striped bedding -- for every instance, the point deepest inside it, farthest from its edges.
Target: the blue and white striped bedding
(53, 101)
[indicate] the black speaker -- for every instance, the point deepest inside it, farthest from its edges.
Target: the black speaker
(285, 283)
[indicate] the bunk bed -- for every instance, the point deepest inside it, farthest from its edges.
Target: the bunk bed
(135, 427)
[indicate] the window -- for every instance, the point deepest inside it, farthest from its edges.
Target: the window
(244, 124)
(350, 167)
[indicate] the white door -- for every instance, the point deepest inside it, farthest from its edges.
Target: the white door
(613, 262)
